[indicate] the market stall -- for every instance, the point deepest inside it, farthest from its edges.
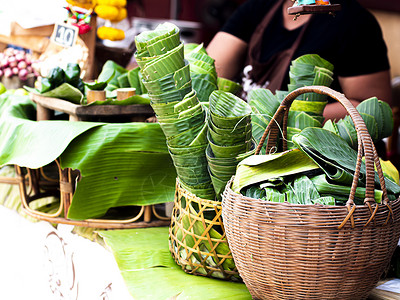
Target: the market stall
(159, 181)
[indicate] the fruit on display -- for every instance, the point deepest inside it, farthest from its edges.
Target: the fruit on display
(14, 62)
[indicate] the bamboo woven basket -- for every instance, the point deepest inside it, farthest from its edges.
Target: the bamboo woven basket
(288, 251)
(185, 242)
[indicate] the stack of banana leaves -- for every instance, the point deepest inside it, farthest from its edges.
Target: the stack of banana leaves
(306, 110)
(377, 116)
(202, 71)
(320, 170)
(204, 75)
(166, 76)
(229, 137)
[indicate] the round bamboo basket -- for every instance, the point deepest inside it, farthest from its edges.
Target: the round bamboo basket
(193, 241)
(288, 251)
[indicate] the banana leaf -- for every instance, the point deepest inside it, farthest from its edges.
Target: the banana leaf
(183, 124)
(164, 45)
(258, 168)
(263, 103)
(175, 80)
(372, 126)
(174, 95)
(126, 173)
(123, 80)
(143, 254)
(64, 91)
(120, 164)
(229, 131)
(164, 64)
(347, 131)
(149, 37)
(228, 105)
(203, 86)
(204, 190)
(136, 99)
(194, 56)
(309, 106)
(390, 170)
(188, 102)
(382, 115)
(331, 126)
(228, 85)
(186, 137)
(230, 139)
(195, 159)
(32, 144)
(135, 81)
(387, 117)
(222, 161)
(229, 151)
(201, 137)
(335, 157)
(110, 67)
(301, 120)
(314, 60)
(325, 187)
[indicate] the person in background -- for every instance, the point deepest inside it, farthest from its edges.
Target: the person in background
(258, 42)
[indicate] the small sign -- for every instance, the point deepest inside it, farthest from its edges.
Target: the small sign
(64, 34)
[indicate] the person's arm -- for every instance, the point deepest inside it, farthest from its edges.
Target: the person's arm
(359, 88)
(229, 53)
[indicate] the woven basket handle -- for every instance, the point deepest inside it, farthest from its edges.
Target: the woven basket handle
(365, 145)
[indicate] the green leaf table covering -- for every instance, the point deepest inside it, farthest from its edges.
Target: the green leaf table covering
(150, 272)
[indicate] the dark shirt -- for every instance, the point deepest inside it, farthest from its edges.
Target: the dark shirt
(351, 40)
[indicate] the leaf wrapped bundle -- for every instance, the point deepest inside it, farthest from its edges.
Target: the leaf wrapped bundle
(229, 136)
(320, 171)
(202, 70)
(167, 79)
(377, 116)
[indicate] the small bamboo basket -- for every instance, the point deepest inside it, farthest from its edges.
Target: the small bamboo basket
(289, 251)
(187, 241)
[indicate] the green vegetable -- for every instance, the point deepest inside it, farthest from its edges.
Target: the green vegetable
(100, 85)
(45, 85)
(72, 74)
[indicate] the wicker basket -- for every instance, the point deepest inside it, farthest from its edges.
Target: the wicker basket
(198, 250)
(288, 251)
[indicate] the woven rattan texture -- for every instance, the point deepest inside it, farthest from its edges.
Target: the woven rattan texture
(186, 240)
(287, 251)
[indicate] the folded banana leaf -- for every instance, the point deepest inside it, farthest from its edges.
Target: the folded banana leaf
(259, 168)
(149, 37)
(64, 91)
(111, 67)
(335, 157)
(163, 64)
(173, 81)
(324, 186)
(135, 81)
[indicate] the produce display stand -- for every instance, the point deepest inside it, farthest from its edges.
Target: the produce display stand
(35, 184)
(37, 40)
(46, 107)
